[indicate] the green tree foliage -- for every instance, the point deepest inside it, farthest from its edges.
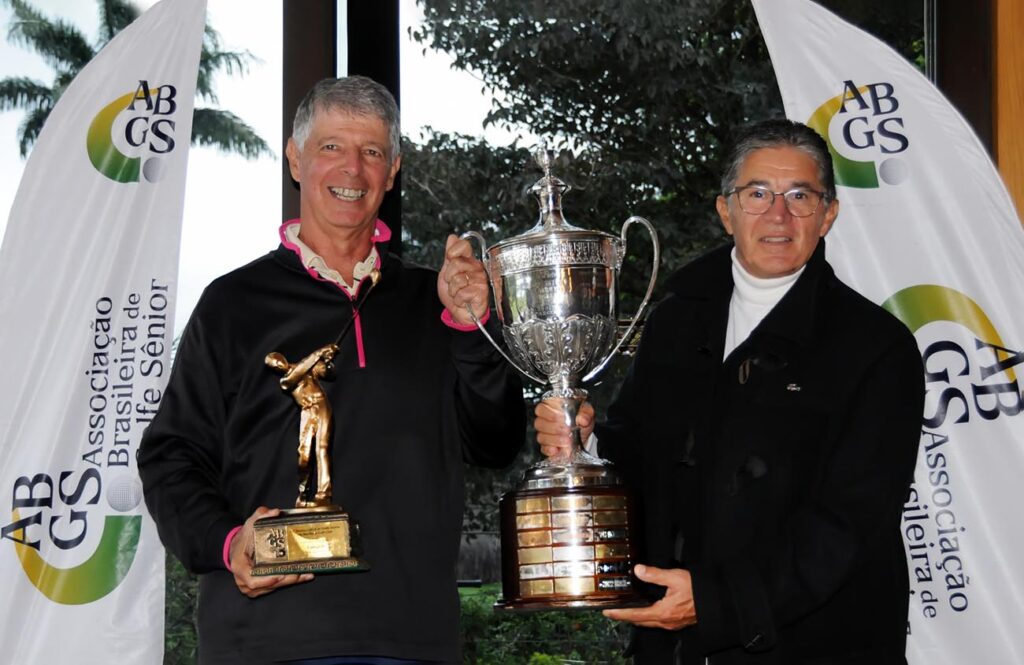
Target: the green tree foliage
(536, 638)
(66, 49)
(455, 183)
(180, 636)
(642, 95)
(898, 24)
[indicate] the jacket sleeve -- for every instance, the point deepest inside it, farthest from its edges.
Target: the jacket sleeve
(180, 453)
(617, 432)
(489, 405)
(747, 598)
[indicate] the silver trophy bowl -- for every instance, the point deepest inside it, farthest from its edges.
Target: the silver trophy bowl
(555, 292)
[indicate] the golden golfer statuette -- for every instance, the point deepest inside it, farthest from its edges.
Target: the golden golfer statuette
(316, 536)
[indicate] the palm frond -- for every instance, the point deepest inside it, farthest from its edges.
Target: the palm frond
(204, 81)
(22, 92)
(231, 62)
(28, 130)
(227, 132)
(59, 43)
(61, 83)
(212, 59)
(115, 16)
(67, 51)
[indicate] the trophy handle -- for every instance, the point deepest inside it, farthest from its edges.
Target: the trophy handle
(474, 235)
(647, 296)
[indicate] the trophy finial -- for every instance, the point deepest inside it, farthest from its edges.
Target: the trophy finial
(545, 157)
(549, 190)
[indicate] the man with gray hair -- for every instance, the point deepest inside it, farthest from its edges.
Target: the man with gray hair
(769, 425)
(416, 391)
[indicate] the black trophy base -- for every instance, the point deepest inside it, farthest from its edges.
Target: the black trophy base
(307, 540)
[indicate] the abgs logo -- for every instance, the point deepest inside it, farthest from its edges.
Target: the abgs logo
(867, 120)
(58, 510)
(142, 123)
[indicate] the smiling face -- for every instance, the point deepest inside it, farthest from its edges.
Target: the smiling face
(776, 243)
(343, 171)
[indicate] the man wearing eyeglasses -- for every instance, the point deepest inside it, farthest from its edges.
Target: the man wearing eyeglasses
(769, 426)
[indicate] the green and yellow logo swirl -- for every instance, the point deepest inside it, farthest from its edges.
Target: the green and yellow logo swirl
(922, 304)
(95, 577)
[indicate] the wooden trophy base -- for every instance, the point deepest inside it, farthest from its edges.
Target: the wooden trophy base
(568, 548)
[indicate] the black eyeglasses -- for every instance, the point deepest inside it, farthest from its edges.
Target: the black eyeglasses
(757, 200)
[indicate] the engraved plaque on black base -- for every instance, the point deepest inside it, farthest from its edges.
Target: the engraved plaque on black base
(307, 540)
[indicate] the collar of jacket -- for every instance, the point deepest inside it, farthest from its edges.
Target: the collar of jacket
(288, 254)
(793, 321)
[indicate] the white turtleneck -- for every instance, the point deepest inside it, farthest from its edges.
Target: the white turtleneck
(752, 299)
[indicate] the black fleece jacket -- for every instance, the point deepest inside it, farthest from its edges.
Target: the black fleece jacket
(224, 442)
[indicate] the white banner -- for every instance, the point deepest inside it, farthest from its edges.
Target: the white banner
(87, 283)
(927, 228)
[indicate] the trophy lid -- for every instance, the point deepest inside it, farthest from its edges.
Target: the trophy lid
(553, 238)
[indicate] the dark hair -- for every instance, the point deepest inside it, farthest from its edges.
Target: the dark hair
(354, 94)
(775, 133)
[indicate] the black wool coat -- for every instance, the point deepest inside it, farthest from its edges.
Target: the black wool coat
(776, 476)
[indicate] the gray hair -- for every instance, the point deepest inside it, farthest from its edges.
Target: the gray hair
(778, 133)
(357, 95)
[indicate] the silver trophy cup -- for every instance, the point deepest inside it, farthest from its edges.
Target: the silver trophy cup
(567, 530)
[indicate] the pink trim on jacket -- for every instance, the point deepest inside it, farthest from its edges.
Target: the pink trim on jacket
(381, 233)
(359, 340)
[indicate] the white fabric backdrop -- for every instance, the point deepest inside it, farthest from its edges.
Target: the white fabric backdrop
(927, 228)
(87, 284)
